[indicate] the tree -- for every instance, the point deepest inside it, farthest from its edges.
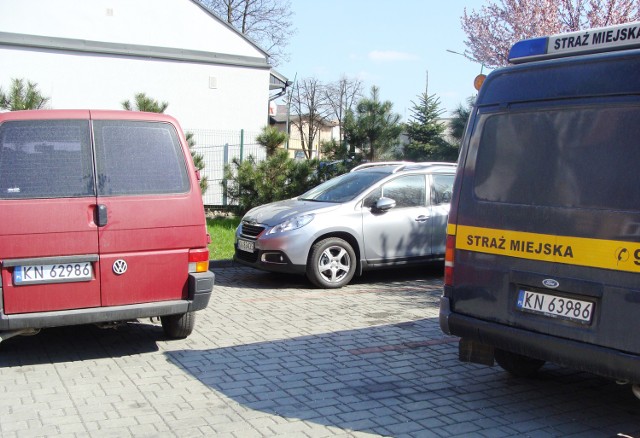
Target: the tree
(459, 120)
(426, 132)
(22, 97)
(342, 96)
(372, 127)
(309, 110)
(271, 138)
(268, 22)
(198, 161)
(142, 102)
(497, 26)
(251, 183)
(336, 159)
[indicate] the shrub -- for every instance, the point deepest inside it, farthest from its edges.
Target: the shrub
(250, 183)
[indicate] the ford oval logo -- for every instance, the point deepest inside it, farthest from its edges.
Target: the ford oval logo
(550, 283)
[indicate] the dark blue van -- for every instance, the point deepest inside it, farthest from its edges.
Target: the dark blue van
(543, 241)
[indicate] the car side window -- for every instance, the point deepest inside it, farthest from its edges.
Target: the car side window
(137, 158)
(407, 191)
(442, 189)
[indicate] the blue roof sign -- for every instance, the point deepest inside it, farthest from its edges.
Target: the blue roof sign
(603, 39)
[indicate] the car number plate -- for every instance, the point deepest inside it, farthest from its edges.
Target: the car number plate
(57, 273)
(555, 306)
(246, 245)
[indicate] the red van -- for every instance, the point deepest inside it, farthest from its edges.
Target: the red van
(101, 221)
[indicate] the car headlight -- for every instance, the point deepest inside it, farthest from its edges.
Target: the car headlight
(292, 224)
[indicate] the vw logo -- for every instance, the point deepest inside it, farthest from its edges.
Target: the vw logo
(119, 267)
(550, 283)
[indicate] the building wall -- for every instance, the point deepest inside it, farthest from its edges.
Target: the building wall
(213, 78)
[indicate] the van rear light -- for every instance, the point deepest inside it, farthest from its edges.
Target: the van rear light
(448, 259)
(199, 260)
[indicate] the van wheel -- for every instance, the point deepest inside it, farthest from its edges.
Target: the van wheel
(178, 326)
(516, 364)
(331, 264)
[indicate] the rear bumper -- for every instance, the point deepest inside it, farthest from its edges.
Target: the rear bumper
(200, 289)
(591, 358)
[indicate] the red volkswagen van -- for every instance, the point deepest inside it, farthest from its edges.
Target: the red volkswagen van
(101, 221)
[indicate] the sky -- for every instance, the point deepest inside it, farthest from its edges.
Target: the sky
(392, 44)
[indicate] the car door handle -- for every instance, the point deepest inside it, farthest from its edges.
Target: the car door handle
(101, 215)
(422, 218)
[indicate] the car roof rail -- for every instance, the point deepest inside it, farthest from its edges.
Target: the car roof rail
(422, 165)
(380, 163)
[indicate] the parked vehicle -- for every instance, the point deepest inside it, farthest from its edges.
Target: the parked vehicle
(101, 221)
(543, 245)
(378, 215)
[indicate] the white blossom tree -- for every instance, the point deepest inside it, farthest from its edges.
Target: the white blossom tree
(497, 26)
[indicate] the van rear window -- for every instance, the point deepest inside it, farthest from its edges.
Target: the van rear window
(137, 158)
(571, 157)
(45, 159)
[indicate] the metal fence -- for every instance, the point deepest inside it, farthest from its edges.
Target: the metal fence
(219, 147)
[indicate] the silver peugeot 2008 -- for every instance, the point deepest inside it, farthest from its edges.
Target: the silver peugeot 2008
(378, 215)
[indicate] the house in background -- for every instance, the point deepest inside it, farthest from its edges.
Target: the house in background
(98, 53)
(281, 119)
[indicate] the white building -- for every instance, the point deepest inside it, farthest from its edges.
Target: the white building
(98, 53)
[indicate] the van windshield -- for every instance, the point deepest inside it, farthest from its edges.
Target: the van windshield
(571, 157)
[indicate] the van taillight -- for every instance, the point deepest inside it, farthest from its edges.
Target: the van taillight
(448, 259)
(199, 260)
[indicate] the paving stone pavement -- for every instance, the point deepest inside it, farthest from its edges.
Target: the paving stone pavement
(272, 356)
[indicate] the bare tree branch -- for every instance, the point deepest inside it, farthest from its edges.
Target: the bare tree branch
(310, 109)
(267, 22)
(342, 96)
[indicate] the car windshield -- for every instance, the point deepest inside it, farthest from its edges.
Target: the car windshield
(344, 187)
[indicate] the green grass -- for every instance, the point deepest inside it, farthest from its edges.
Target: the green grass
(222, 231)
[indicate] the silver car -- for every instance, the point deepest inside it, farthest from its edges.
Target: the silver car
(378, 215)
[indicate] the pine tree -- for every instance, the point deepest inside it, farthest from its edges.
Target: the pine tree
(22, 96)
(426, 132)
(373, 127)
(271, 138)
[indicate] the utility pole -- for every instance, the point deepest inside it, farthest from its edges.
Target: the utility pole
(426, 87)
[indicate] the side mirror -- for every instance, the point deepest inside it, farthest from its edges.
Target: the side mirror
(384, 204)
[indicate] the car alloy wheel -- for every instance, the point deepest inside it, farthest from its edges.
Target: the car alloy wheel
(332, 263)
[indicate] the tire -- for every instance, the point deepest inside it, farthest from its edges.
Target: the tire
(178, 326)
(331, 264)
(516, 364)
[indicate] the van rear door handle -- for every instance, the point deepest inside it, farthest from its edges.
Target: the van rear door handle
(101, 215)
(422, 218)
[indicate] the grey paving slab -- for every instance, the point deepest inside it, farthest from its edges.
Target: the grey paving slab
(273, 356)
